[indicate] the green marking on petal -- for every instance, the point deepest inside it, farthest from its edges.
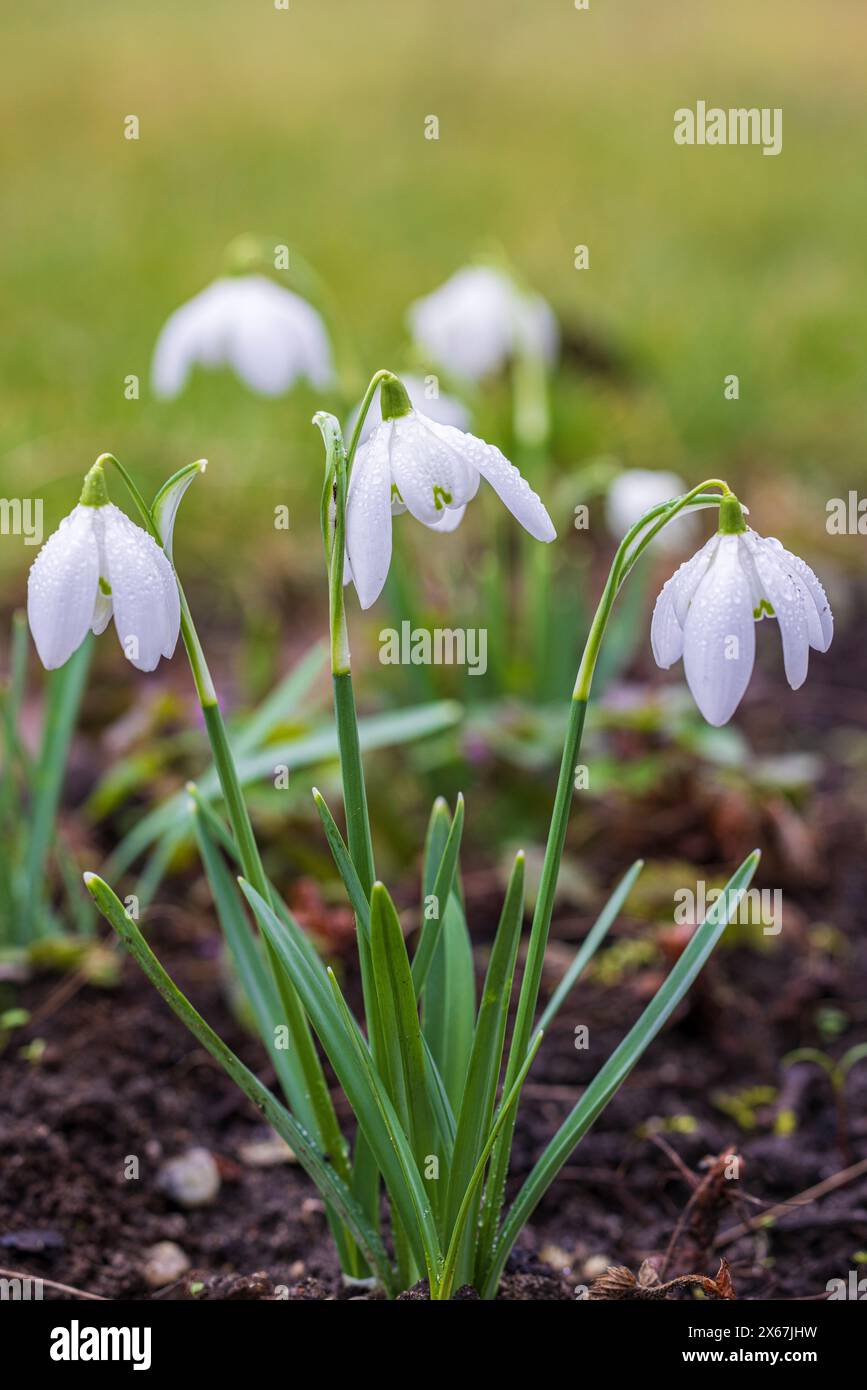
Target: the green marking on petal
(763, 609)
(104, 587)
(441, 498)
(395, 494)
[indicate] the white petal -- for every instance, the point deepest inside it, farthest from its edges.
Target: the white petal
(504, 478)
(368, 516)
(466, 324)
(666, 633)
(308, 332)
(275, 338)
(449, 520)
(778, 586)
(261, 357)
(720, 635)
(195, 333)
(820, 619)
(478, 319)
(672, 605)
(689, 575)
(429, 467)
(143, 589)
(267, 334)
(61, 588)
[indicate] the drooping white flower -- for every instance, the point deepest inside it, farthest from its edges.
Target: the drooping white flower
(97, 564)
(634, 492)
(411, 463)
(708, 610)
(269, 336)
(443, 408)
(479, 319)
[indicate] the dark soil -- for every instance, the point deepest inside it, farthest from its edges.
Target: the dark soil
(120, 1077)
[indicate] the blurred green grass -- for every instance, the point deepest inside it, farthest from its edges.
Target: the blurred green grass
(308, 125)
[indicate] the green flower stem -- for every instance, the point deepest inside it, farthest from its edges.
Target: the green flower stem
(528, 997)
(532, 976)
(375, 381)
(359, 841)
(666, 512)
(531, 415)
(322, 1114)
(354, 793)
(622, 564)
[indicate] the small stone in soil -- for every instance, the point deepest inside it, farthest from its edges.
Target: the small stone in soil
(164, 1263)
(192, 1179)
(595, 1266)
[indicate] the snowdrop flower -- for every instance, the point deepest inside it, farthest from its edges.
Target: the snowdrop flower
(479, 319)
(269, 336)
(637, 490)
(412, 463)
(708, 610)
(97, 564)
(444, 409)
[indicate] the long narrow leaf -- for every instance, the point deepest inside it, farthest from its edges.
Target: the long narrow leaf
(252, 970)
(345, 866)
(320, 746)
(435, 843)
(65, 689)
(450, 1000)
(222, 836)
(477, 1107)
(472, 1188)
(431, 926)
(615, 1071)
(448, 1004)
(444, 1116)
(349, 1056)
(591, 942)
(13, 695)
(403, 1061)
(308, 1153)
(307, 1098)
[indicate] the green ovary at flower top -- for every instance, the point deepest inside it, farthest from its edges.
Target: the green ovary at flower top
(421, 1070)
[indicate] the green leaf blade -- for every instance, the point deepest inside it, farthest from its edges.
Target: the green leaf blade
(287, 1126)
(349, 1056)
(612, 1075)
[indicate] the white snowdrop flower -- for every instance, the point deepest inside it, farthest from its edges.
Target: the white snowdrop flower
(444, 409)
(479, 319)
(97, 564)
(412, 463)
(269, 336)
(708, 610)
(637, 490)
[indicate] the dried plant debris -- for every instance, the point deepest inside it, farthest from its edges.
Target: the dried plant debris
(618, 1282)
